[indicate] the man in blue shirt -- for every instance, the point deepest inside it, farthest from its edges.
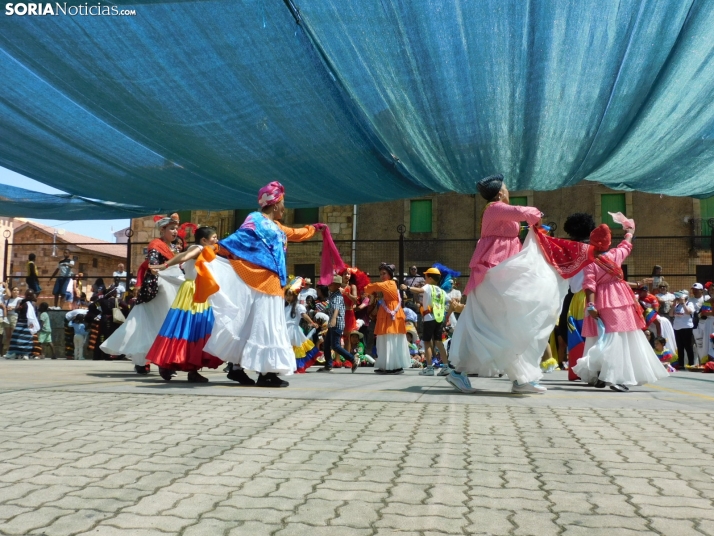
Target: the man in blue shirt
(336, 312)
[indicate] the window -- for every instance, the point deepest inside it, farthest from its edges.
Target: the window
(239, 216)
(95, 262)
(306, 215)
(706, 207)
(184, 215)
(612, 203)
(520, 201)
(305, 270)
(420, 216)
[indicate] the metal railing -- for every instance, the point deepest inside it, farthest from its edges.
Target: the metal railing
(684, 259)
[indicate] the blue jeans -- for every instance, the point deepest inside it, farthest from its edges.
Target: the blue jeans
(333, 342)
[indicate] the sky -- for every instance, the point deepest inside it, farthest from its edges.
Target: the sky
(101, 229)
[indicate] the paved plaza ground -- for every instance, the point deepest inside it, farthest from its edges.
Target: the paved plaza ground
(92, 448)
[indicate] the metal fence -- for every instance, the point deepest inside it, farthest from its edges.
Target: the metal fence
(683, 259)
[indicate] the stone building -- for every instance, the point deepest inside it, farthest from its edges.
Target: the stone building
(92, 257)
(445, 227)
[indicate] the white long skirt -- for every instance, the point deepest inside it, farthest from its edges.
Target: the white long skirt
(702, 336)
(250, 328)
(136, 335)
(392, 352)
(619, 358)
(508, 318)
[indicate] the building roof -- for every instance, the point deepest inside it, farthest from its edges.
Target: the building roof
(87, 243)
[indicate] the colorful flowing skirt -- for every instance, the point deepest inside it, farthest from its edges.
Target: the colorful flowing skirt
(306, 355)
(576, 341)
(22, 341)
(184, 333)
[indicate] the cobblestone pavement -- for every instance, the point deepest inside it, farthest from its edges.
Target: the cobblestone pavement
(77, 461)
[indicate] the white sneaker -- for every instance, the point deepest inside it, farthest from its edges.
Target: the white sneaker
(426, 371)
(460, 382)
(531, 388)
(26, 357)
(444, 371)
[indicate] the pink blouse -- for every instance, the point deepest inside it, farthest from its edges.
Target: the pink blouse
(614, 299)
(609, 291)
(499, 238)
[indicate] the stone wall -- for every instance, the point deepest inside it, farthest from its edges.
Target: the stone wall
(456, 226)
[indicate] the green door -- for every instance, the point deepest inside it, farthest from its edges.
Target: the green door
(612, 203)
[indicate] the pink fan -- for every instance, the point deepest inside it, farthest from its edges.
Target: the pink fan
(619, 217)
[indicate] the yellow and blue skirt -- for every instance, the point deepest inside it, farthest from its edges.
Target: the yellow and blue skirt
(184, 333)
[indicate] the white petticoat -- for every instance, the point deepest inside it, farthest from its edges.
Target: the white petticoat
(392, 352)
(249, 328)
(136, 335)
(508, 318)
(620, 358)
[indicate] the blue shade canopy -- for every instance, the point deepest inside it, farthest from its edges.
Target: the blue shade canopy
(197, 104)
(20, 202)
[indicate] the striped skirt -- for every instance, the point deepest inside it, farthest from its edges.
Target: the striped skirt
(186, 328)
(21, 342)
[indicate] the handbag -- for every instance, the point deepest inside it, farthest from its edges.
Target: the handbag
(117, 315)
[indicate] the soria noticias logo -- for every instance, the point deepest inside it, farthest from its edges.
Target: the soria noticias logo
(47, 9)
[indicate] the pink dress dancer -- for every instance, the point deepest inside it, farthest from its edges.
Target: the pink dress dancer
(499, 238)
(474, 348)
(619, 355)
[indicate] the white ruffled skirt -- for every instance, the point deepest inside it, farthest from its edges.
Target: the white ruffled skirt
(136, 335)
(508, 318)
(392, 352)
(624, 358)
(250, 328)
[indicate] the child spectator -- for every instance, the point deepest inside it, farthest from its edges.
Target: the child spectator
(80, 335)
(45, 334)
(63, 273)
(663, 354)
(336, 326)
(357, 349)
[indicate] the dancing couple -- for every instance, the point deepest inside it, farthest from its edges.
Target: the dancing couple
(514, 296)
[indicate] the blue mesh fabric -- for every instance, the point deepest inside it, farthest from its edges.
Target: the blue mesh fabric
(196, 104)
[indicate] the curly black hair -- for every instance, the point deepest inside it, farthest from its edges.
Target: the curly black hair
(579, 226)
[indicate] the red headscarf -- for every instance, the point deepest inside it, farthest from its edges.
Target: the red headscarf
(601, 238)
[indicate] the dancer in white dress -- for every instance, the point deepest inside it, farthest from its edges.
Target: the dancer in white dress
(136, 335)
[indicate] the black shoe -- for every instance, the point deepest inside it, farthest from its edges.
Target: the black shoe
(325, 369)
(619, 388)
(239, 375)
(166, 374)
(380, 371)
(143, 370)
(397, 371)
(355, 365)
(271, 380)
(195, 377)
(600, 384)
